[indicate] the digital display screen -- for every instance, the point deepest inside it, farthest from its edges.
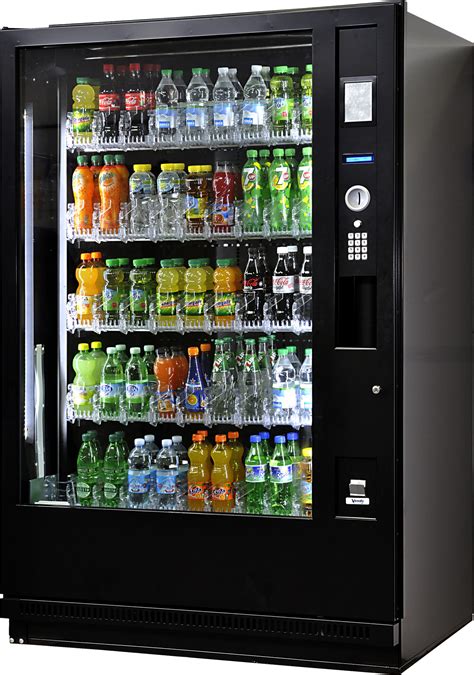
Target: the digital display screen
(367, 158)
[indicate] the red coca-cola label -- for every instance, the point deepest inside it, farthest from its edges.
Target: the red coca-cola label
(306, 285)
(252, 283)
(284, 284)
(135, 100)
(150, 100)
(109, 102)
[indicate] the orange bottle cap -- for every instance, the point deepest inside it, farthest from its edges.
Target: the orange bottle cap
(205, 347)
(233, 434)
(203, 432)
(197, 437)
(193, 351)
(85, 256)
(96, 255)
(221, 438)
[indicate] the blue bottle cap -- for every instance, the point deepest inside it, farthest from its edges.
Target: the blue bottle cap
(264, 435)
(255, 438)
(279, 439)
(292, 436)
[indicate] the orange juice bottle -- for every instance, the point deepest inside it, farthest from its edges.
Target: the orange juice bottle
(199, 473)
(237, 455)
(83, 189)
(238, 274)
(222, 476)
(125, 175)
(110, 186)
(98, 263)
(95, 171)
(86, 276)
(225, 288)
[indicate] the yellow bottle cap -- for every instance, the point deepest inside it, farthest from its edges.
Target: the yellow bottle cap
(179, 167)
(83, 347)
(96, 345)
(307, 452)
(168, 167)
(142, 167)
(194, 169)
(207, 168)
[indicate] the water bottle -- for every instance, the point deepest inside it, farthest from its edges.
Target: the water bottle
(167, 463)
(306, 384)
(180, 85)
(183, 468)
(267, 76)
(206, 76)
(111, 384)
(296, 363)
(166, 105)
(224, 96)
(197, 95)
(255, 95)
(138, 475)
(136, 384)
(252, 390)
(237, 86)
(265, 366)
(152, 449)
(169, 192)
(284, 386)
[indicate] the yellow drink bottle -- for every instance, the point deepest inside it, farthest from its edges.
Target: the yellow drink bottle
(199, 473)
(167, 292)
(237, 455)
(222, 476)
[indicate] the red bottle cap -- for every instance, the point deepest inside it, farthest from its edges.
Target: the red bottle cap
(134, 66)
(233, 434)
(221, 438)
(108, 67)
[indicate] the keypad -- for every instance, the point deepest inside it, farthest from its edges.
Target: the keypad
(357, 246)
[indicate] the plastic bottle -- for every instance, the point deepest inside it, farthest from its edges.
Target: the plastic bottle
(222, 476)
(295, 362)
(222, 389)
(109, 103)
(252, 394)
(166, 105)
(281, 479)
(265, 163)
(166, 383)
(138, 475)
(280, 192)
(121, 355)
(83, 189)
(265, 442)
(168, 289)
(115, 471)
(307, 482)
(237, 455)
(88, 470)
(265, 367)
(224, 95)
(142, 187)
(206, 76)
(85, 381)
(255, 97)
(254, 288)
(135, 102)
(149, 359)
(124, 175)
(266, 74)
(283, 283)
(209, 280)
(199, 475)
(152, 450)
(113, 278)
(83, 96)
(294, 73)
(168, 187)
(110, 189)
(180, 85)
(225, 288)
(195, 388)
(237, 86)
(124, 265)
(183, 468)
(136, 384)
(253, 193)
(256, 477)
(99, 358)
(139, 300)
(195, 291)
(284, 385)
(179, 264)
(305, 190)
(282, 101)
(197, 199)
(294, 451)
(206, 362)
(98, 268)
(86, 277)
(306, 383)
(307, 99)
(123, 443)
(224, 184)
(290, 158)
(166, 476)
(197, 96)
(111, 384)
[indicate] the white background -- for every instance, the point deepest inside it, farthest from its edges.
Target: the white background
(456, 656)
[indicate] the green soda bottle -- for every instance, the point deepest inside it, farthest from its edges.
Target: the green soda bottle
(273, 350)
(253, 192)
(123, 443)
(88, 470)
(99, 357)
(307, 99)
(136, 384)
(230, 360)
(265, 444)
(281, 479)
(294, 451)
(256, 476)
(113, 289)
(294, 73)
(265, 163)
(121, 355)
(280, 192)
(124, 288)
(115, 471)
(94, 436)
(111, 384)
(282, 101)
(305, 190)
(150, 267)
(149, 359)
(290, 157)
(83, 387)
(139, 283)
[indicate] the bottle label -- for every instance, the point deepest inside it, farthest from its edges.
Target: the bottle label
(223, 215)
(254, 283)
(109, 102)
(282, 109)
(194, 304)
(166, 402)
(222, 492)
(138, 300)
(285, 284)
(281, 474)
(111, 299)
(166, 304)
(110, 490)
(253, 113)
(307, 109)
(306, 488)
(138, 481)
(195, 397)
(255, 473)
(110, 391)
(195, 207)
(249, 178)
(82, 394)
(135, 100)
(195, 117)
(166, 117)
(306, 285)
(218, 365)
(83, 304)
(84, 490)
(197, 491)
(136, 391)
(225, 304)
(304, 177)
(141, 184)
(82, 121)
(150, 100)
(223, 114)
(284, 398)
(306, 396)
(281, 178)
(165, 483)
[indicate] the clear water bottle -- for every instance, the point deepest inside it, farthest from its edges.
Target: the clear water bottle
(222, 384)
(284, 387)
(166, 105)
(138, 475)
(183, 468)
(206, 76)
(152, 449)
(306, 384)
(197, 95)
(255, 95)
(167, 463)
(180, 85)
(265, 366)
(252, 389)
(168, 189)
(294, 360)
(237, 86)
(267, 76)
(224, 95)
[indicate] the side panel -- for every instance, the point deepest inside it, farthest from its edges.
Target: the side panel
(437, 337)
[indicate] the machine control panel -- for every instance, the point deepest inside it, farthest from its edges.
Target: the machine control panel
(357, 198)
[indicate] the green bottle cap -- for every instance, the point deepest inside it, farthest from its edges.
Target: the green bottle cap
(280, 70)
(82, 80)
(166, 72)
(119, 159)
(290, 152)
(309, 68)
(205, 261)
(291, 349)
(138, 262)
(250, 341)
(120, 434)
(282, 351)
(112, 262)
(123, 261)
(82, 160)
(179, 262)
(195, 262)
(206, 71)
(178, 73)
(93, 433)
(252, 154)
(96, 160)
(227, 340)
(109, 159)
(149, 261)
(169, 262)
(307, 151)
(85, 437)
(294, 70)
(278, 152)
(263, 339)
(264, 153)
(110, 350)
(218, 342)
(149, 348)
(134, 351)
(197, 71)
(112, 437)
(308, 351)
(223, 262)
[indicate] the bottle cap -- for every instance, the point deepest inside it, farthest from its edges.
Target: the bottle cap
(138, 262)
(111, 350)
(264, 435)
(134, 66)
(193, 351)
(96, 160)
(96, 345)
(292, 436)
(307, 250)
(219, 341)
(291, 349)
(221, 438)
(309, 68)
(282, 249)
(149, 348)
(196, 71)
(206, 168)
(120, 159)
(93, 433)
(82, 160)
(179, 262)
(197, 437)
(250, 341)
(120, 434)
(167, 167)
(109, 159)
(223, 262)
(178, 73)
(205, 347)
(223, 71)
(203, 432)
(139, 442)
(142, 167)
(149, 438)
(195, 262)
(166, 72)
(112, 437)
(123, 261)
(307, 452)
(233, 434)
(205, 261)
(82, 80)
(290, 152)
(176, 439)
(96, 255)
(255, 438)
(85, 256)
(279, 439)
(278, 152)
(280, 70)
(206, 71)
(263, 339)
(292, 249)
(166, 443)
(195, 168)
(308, 351)
(112, 262)
(120, 348)
(85, 437)
(179, 166)
(264, 153)
(282, 351)
(167, 262)
(252, 154)
(134, 350)
(149, 261)
(83, 347)
(307, 151)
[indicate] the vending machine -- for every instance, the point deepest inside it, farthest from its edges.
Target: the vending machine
(236, 336)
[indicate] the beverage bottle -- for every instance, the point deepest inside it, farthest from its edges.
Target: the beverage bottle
(195, 290)
(292, 265)
(254, 288)
(195, 387)
(113, 279)
(135, 102)
(183, 468)
(182, 366)
(307, 99)
(224, 96)
(179, 265)
(290, 158)
(139, 292)
(305, 190)
(99, 358)
(280, 192)
(284, 385)
(237, 455)
(109, 102)
(83, 106)
(197, 96)
(121, 83)
(124, 265)
(307, 482)
(88, 470)
(266, 74)
(283, 288)
(110, 189)
(166, 476)
(182, 175)
(306, 284)
(265, 163)
(151, 271)
(142, 187)
(136, 384)
(168, 188)
(124, 175)
(252, 393)
(152, 449)
(209, 280)
(165, 382)
(306, 383)
(95, 84)
(281, 479)
(180, 85)
(237, 86)
(149, 359)
(294, 360)
(222, 389)
(111, 384)
(197, 199)
(83, 189)
(121, 355)
(149, 85)
(222, 476)
(138, 474)
(199, 475)
(266, 373)
(225, 289)
(85, 275)
(255, 96)
(168, 289)
(252, 187)
(206, 76)
(294, 451)
(282, 101)
(115, 471)
(230, 358)
(224, 185)
(294, 73)
(265, 443)
(120, 435)
(96, 166)
(84, 383)
(167, 98)
(206, 362)
(98, 269)
(94, 439)
(256, 476)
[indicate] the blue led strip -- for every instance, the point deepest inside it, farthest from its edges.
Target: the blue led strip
(358, 159)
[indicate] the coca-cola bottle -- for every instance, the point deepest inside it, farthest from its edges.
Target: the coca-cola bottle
(293, 264)
(149, 85)
(135, 102)
(109, 102)
(121, 84)
(254, 288)
(264, 269)
(306, 284)
(283, 283)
